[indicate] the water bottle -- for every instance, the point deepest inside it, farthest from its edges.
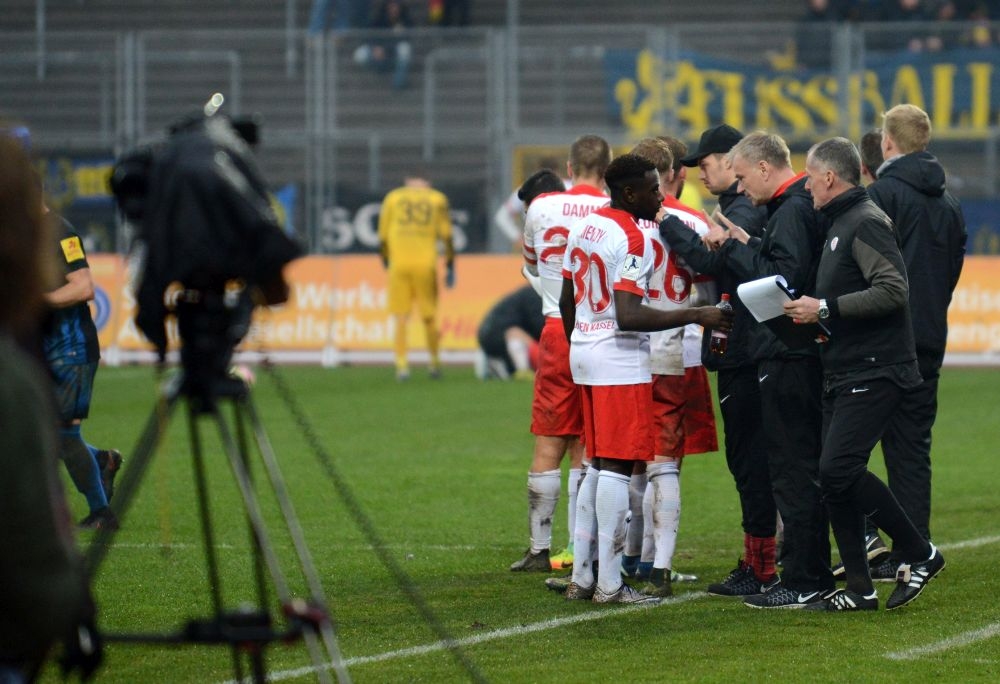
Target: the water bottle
(719, 340)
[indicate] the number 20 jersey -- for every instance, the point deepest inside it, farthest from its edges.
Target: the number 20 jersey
(546, 226)
(607, 251)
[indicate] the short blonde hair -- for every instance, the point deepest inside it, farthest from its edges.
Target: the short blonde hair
(656, 151)
(763, 146)
(908, 126)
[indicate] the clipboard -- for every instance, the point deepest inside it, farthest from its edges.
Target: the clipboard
(765, 299)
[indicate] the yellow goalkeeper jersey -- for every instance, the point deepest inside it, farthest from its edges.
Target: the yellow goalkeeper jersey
(411, 222)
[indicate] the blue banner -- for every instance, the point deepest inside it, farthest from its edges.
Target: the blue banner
(959, 89)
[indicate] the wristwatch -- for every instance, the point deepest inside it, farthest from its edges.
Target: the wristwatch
(824, 310)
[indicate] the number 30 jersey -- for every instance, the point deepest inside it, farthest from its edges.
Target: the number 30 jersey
(607, 251)
(546, 226)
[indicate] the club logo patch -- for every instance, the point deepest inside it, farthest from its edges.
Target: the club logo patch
(833, 243)
(632, 267)
(72, 249)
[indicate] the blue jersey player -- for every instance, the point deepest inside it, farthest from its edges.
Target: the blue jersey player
(72, 353)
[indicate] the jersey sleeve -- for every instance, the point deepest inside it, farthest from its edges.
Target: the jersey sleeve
(72, 252)
(635, 258)
(528, 250)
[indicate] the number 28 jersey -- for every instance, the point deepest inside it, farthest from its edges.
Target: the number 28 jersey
(606, 251)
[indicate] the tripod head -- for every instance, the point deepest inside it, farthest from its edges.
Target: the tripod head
(211, 323)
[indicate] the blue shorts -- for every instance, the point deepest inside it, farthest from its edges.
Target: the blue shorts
(74, 387)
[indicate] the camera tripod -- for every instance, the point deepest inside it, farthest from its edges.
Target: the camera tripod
(247, 631)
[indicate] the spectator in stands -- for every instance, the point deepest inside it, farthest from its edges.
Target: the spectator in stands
(871, 154)
(347, 14)
(914, 40)
(448, 12)
(978, 12)
(814, 34)
(390, 51)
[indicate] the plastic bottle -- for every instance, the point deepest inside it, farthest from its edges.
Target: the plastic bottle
(719, 340)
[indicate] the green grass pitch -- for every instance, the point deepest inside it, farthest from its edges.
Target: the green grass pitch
(440, 470)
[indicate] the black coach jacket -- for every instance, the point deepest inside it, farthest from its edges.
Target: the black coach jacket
(789, 246)
(862, 277)
(932, 235)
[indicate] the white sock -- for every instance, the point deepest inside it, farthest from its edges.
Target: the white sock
(648, 542)
(543, 495)
(612, 507)
(666, 507)
(572, 487)
(517, 348)
(585, 532)
(633, 538)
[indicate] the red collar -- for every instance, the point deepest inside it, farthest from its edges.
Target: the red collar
(784, 186)
(585, 189)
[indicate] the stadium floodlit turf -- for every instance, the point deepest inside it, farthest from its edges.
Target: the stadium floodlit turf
(439, 470)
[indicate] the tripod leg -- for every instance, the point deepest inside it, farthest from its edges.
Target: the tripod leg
(263, 544)
(156, 426)
(208, 536)
(244, 452)
(298, 536)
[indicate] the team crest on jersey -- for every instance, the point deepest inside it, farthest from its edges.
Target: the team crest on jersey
(632, 268)
(833, 243)
(72, 249)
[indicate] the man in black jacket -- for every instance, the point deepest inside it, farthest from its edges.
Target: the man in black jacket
(739, 394)
(789, 379)
(931, 231)
(869, 363)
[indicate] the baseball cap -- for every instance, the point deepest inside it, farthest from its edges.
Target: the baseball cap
(719, 138)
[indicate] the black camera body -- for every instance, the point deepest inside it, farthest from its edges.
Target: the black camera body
(204, 221)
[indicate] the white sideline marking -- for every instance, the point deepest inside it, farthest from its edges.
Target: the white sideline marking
(521, 630)
(969, 543)
(957, 641)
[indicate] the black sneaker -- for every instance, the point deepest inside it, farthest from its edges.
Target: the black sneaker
(885, 571)
(876, 550)
(102, 518)
(740, 582)
(911, 578)
(777, 596)
(844, 600)
(533, 562)
(109, 461)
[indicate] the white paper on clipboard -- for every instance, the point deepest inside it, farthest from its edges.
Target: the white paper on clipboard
(765, 298)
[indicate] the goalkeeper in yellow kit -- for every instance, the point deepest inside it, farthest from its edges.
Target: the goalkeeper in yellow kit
(413, 219)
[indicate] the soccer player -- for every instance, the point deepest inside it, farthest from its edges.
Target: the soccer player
(73, 354)
(655, 489)
(606, 269)
(869, 364)
(556, 412)
(413, 219)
